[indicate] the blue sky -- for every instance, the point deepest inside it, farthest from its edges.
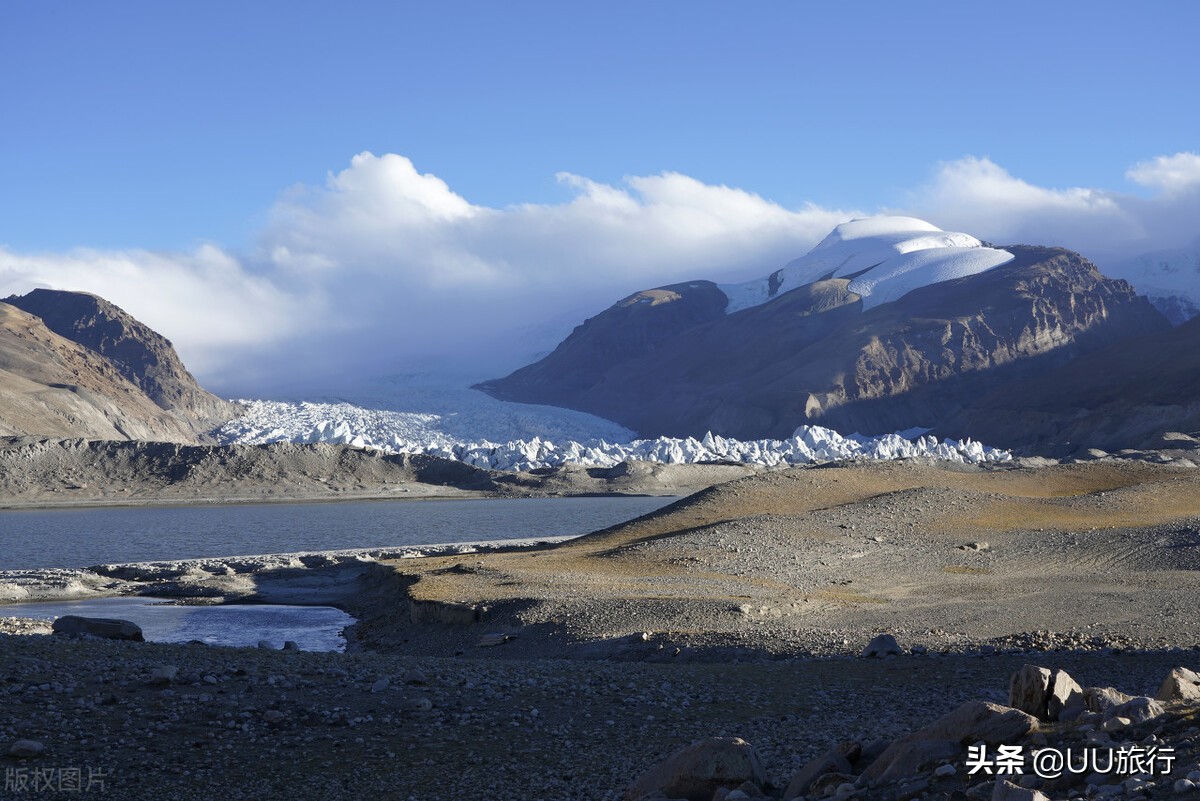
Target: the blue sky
(268, 182)
(150, 124)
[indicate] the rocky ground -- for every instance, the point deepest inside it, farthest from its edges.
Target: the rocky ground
(57, 473)
(249, 723)
(740, 612)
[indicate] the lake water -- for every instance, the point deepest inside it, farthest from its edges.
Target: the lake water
(313, 628)
(83, 537)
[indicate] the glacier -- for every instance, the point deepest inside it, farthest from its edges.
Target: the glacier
(886, 258)
(393, 431)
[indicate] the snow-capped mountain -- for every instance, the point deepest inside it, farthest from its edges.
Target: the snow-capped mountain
(885, 258)
(1170, 278)
(888, 323)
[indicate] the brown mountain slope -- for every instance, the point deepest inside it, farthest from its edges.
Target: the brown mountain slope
(142, 356)
(51, 386)
(1125, 395)
(813, 355)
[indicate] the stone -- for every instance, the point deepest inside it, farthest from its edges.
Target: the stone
(1180, 684)
(1183, 786)
(274, 717)
(1136, 710)
(103, 627)
(836, 760)
(1029, 689)
(418, 704)
(697, 771)
(882, 645)
(163, 675)
(1065, 700)
(1005, 790)
(24, 749)
(381, 684)
(1099, 699)
(291, 645)
(494, 639)
(945, 770)
(972, 722)
(266, 645)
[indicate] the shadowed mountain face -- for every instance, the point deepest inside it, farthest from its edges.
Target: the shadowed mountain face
(76, 365)
(670, 361)
(1125, 395)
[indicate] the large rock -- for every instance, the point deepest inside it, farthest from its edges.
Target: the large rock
(1005, 790)
(973, 722)
(1029, 689)
(1101, 699)
(699, 770)
(1045, 694)
(25, 749)
(1135, 710)
(1180, 684)
(836, 760)
(882, 645)
(103, 627)
(1065, 700)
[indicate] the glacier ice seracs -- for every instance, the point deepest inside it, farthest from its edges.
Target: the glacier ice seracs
(412, 432)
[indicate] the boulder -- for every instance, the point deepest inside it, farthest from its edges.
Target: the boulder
(1136, 710)
(103, 627)
(164, 675)
(1099, 699)
(699, 770)
(1180, 684)
(1029, 689)
(1065, 700)
(973, 722)
(882, 645)
(1005, 790)
(836, 760)
(23, 749)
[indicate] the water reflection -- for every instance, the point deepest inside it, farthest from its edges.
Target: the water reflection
(313, 628)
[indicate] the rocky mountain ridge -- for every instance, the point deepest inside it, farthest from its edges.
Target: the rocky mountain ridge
(76, 365)
(672, 361)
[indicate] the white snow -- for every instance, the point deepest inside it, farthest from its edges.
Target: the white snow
(1164, 274)
(879, 254)
(418, 432)
(900, 275)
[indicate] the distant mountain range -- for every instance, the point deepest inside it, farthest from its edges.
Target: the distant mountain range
(75, 365)
(889, 323)
(1169, 278)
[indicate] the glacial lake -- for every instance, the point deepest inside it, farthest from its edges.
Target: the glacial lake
(313, 628)
(32, 539)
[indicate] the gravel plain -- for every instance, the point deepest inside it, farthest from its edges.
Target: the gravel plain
(566, 672)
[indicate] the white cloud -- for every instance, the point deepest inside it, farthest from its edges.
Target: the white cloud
(204, 301)
(980, 197)
(1171, 174)
(384, 268)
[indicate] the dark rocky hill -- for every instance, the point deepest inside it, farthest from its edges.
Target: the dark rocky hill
(670, 361)
(75, 365)
(142, 356)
